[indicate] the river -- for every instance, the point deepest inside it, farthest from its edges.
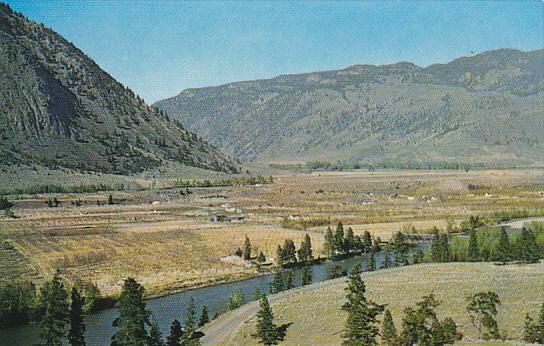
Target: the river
(166, 309)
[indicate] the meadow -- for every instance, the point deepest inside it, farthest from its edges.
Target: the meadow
(165, 238)
(317, 319)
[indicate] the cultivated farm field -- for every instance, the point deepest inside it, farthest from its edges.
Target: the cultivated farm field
(167, 241)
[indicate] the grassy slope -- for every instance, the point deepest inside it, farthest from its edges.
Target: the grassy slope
(317, 318)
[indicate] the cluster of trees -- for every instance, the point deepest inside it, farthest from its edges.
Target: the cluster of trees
(342, 243)
(4, 203)
(285, 279)
(534, 329)
(236, 181)
(21, 302)
(487, 245)
(81, 188)
(135, 326)
(288, 254)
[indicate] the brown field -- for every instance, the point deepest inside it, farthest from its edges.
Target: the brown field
(173, 245)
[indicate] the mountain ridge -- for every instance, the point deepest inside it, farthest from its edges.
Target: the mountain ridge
(379, 113)
(59, 109)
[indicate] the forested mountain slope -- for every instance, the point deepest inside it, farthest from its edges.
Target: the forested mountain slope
(59, 109)
(486, 109)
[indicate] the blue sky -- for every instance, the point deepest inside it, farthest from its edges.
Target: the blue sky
(160, 48)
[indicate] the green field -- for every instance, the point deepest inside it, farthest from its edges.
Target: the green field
(318, 320)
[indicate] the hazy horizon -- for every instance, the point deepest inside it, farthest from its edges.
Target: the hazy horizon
(159, 49)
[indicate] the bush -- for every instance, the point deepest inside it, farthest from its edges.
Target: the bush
(5, 204)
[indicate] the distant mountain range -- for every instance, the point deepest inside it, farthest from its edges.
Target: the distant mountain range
(486, 109)
(59, 109)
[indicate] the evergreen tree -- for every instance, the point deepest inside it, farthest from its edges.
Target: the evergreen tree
(236, 299)
(204, 319)
(247, 249)
(305, 250)
(55, 304)
(422, 327)
(444, 246)
(238, 252)
(155, 335)
(473, 247)
(389, 332)
(76, 334)
(435, 246)
(376, 244)
(371, 262)
(176, 334)
(110, 200)
(526, 247)
(280, 256)
(400, 249)
(358, 244)
(266, 332)
(190, 323)
(503, 249)
(339, 239)
(289, 252)
(418, 257)
(367, 241)
(534, 330)
(277, 283)
(306, 276)
(483, 314)
(349, 240)
(133, 316)
(290, 280)
(361, 324)
(261, 258)
(328, 246)
(386, 258)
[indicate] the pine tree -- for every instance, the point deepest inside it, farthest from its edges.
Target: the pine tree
(190, 323)
(305, 250)
(238, 252)
(371, 262)
(247, 249)
(389, 332)
(289, 252)
(361, 324)
(473, 248)
(526, 247)
(236, 299)
(386, 258)
(339, 245)
(155, 335)
(445, 255)
(280, 256)
(306, 276)
(266, 332)
(400, 249)
(204, 319)
(329, 247)
(261, 258)
(277, 283)
(367, 241)
(290, 280)
(110, 200)
(503, 249)
(55, 303)
(483, 314)
(534, 330)
(349, 240)
(176, 334)
(76, 334)
(133, 316)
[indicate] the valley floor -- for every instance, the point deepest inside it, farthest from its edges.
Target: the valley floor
(168, 242)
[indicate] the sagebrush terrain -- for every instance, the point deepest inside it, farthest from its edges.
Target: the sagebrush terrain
(483, 110)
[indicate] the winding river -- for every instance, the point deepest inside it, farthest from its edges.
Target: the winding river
(166, 309)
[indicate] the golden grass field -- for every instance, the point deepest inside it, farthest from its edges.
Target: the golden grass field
(318, 320)
(172, 245)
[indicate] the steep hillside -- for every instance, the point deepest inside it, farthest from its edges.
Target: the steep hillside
(59, 109)
(484, 110)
